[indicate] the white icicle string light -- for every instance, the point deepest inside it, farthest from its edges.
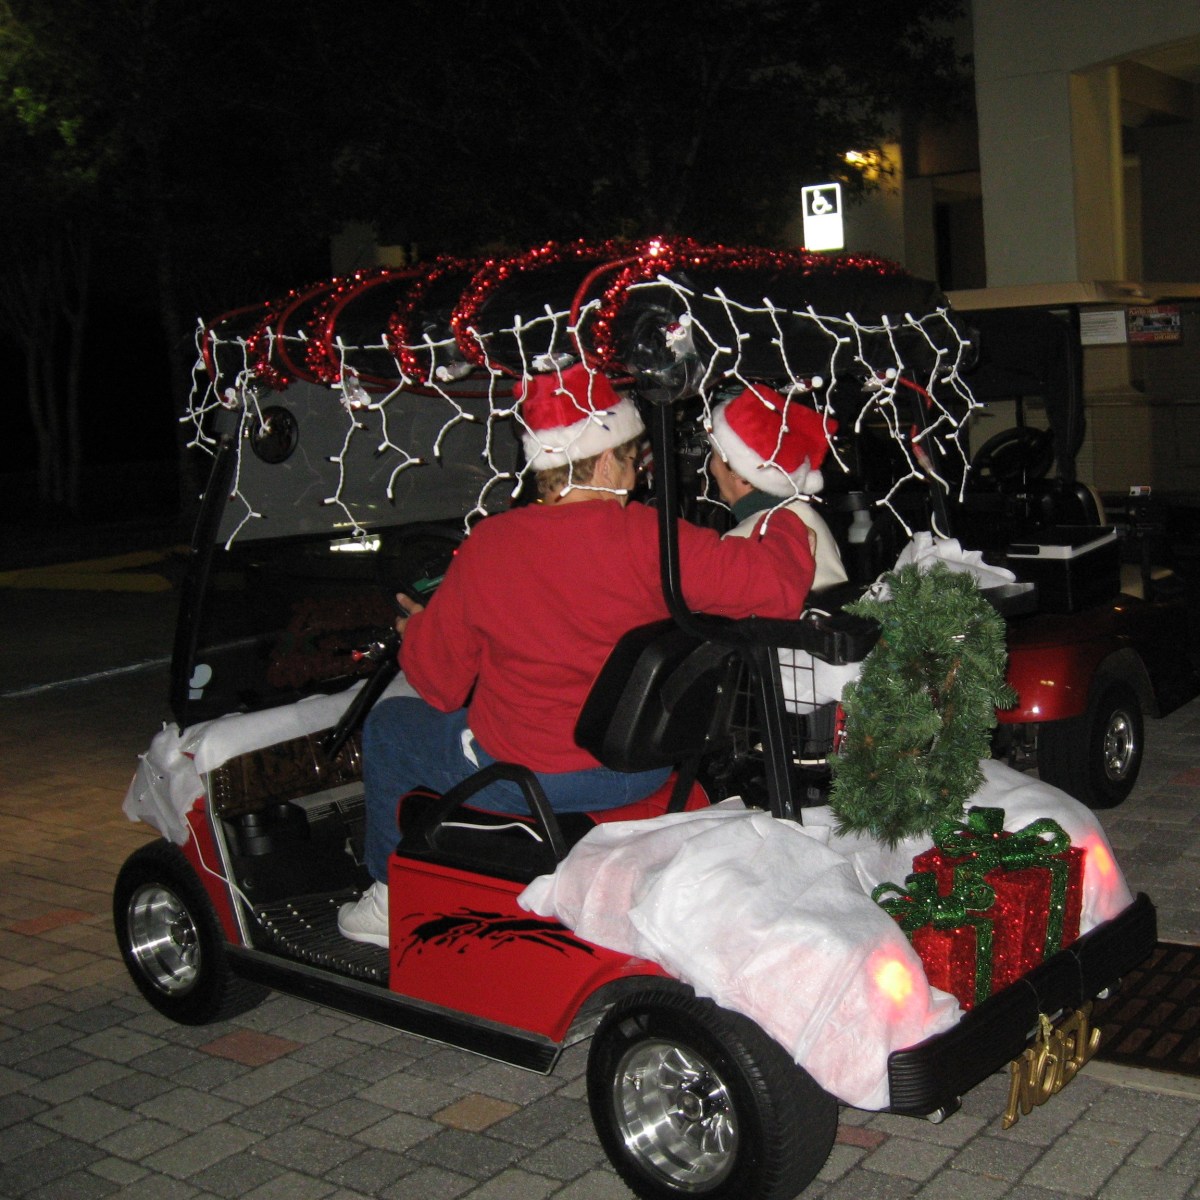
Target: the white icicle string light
(850, 353)
(867, 357)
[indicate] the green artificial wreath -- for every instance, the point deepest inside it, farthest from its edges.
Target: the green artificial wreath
(920, 717)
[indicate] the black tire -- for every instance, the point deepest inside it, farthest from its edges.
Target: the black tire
(689, 1099)
(1096, 758)
(171, 941)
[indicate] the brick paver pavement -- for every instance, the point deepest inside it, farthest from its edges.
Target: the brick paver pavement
(100, 1096)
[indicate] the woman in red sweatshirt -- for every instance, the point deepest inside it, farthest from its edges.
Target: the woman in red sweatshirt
(531, 607)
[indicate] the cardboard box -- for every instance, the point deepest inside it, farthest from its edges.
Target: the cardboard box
(1074, 566)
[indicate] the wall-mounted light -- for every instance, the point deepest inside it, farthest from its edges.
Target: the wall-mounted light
(871, 165)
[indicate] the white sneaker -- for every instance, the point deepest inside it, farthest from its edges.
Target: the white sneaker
(366, 920)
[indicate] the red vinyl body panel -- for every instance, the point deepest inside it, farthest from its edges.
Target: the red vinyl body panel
(451, 926)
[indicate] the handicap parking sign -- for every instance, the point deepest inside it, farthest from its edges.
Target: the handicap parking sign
(823, 217)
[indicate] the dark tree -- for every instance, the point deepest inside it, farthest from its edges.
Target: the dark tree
(559, 118)
(45, 273)
(162, 131)
(47, 197)
(212, 147)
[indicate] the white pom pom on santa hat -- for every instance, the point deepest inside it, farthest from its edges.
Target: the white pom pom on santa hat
(776, 445)
(571, 415)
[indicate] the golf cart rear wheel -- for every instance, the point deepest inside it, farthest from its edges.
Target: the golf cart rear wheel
(171, 940)
(689, 1099)
(1096, 758)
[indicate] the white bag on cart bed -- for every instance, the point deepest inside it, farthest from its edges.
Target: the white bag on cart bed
(774, 920)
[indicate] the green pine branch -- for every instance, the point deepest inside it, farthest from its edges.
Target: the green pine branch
(920, 717)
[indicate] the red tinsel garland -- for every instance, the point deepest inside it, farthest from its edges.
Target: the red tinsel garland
(321, 356)
(663, 255)
(400, 335)
(631, 263)
(263, 345)
(494, 272)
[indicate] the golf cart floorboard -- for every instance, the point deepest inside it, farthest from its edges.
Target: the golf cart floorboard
(305, 930)
(299, 951)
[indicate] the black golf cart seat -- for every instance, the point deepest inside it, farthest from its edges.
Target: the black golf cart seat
(1023, 478)
(662, 699)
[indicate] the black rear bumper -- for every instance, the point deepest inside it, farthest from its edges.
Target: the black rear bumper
(935, 1073)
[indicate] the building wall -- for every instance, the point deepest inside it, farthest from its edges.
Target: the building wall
(1065, 189)
(1169, 376)
(1170, 186)
(876, 225)
(1061, 203)
(1025, 54)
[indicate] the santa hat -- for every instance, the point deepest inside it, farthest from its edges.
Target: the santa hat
(776, 445)
(571, 415)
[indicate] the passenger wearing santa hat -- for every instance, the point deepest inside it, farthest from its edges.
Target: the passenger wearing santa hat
(767, 453)
(504, 655)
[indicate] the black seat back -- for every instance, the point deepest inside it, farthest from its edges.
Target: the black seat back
(1071, 504)
(662, 697)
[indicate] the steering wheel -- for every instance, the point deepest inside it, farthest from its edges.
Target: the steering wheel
(413, 564)
(1014, 456)
(414, 558)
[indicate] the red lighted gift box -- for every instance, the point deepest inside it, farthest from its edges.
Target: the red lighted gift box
(1037, 877)
(951, 961)
(950, 934)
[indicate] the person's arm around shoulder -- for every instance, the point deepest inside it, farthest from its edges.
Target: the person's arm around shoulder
(768, 575)
(829, 568)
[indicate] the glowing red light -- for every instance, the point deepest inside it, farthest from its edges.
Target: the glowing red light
(894, 980)
(1099, 855)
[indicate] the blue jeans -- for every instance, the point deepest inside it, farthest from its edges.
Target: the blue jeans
(408, 744)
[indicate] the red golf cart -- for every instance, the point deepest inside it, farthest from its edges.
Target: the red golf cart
(356, 428)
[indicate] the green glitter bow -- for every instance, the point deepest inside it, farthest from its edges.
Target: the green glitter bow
(918, 904)
(981, 837)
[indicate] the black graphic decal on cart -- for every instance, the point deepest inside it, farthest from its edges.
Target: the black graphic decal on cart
(463, 929)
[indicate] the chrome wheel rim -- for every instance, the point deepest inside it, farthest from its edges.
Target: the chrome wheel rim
(675, 1115)
(164, 939)
(1120, 746)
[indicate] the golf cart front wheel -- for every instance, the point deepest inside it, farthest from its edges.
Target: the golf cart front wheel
(171, 941)
(689, 1099)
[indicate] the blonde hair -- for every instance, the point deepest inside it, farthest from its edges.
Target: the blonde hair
(578, 474)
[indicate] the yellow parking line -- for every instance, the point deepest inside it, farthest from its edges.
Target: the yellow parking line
(117, 573)
(85, 581)
(115, 562)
